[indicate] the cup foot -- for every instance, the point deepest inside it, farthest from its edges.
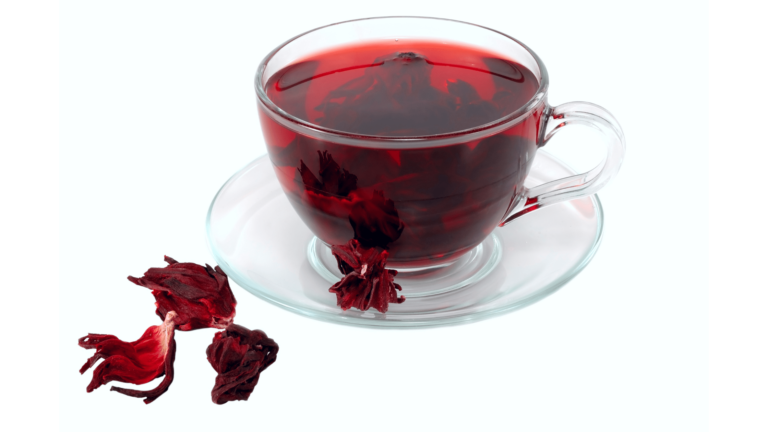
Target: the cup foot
(466, 271)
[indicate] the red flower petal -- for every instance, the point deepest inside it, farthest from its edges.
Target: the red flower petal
(200, 295)
(335, 180)
(366, 283)
(239, 356)
(373, 217)
(375, 220)
(136, 362)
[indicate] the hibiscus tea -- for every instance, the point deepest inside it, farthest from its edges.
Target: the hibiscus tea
(425, 204)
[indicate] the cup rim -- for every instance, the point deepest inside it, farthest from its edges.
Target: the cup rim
(361, 139)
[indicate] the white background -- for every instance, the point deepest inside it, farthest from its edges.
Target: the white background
(157, 110)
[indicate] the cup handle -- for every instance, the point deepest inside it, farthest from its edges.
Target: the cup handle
(568, 188)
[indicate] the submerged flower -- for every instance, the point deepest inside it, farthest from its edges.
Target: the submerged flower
(333, 181)
(239, 356)
(200, 295)
(375, 220)
(366, 283)
(136, 362)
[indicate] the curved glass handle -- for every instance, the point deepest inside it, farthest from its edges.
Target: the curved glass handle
(568, 188)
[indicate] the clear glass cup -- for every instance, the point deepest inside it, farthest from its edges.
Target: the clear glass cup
(427, 199)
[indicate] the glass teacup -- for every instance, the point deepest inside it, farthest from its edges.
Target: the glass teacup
(428, 199)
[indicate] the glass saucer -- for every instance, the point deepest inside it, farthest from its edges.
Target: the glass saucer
(263, 246)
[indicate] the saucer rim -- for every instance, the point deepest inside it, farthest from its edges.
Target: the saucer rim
(355, 321)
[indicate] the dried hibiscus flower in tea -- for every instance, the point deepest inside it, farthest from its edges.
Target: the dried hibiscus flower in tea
(366, 283)
(375, 220)
(136, 362)
(239, 356)
(200, 295)
(373, 217)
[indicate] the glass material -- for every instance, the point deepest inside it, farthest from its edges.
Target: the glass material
(261, 243)
(428, 199)
(467, 270)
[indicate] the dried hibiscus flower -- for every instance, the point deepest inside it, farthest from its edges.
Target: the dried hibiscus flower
(375, 220)
(239, 356)
(335, 180)
(366, 283)
(200, 295)
(136, 362)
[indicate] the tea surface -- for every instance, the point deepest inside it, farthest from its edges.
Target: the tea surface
(404, 88)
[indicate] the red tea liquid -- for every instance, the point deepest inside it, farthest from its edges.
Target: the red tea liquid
(425, 205)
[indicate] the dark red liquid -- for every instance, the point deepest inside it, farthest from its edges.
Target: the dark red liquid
(426, 205)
